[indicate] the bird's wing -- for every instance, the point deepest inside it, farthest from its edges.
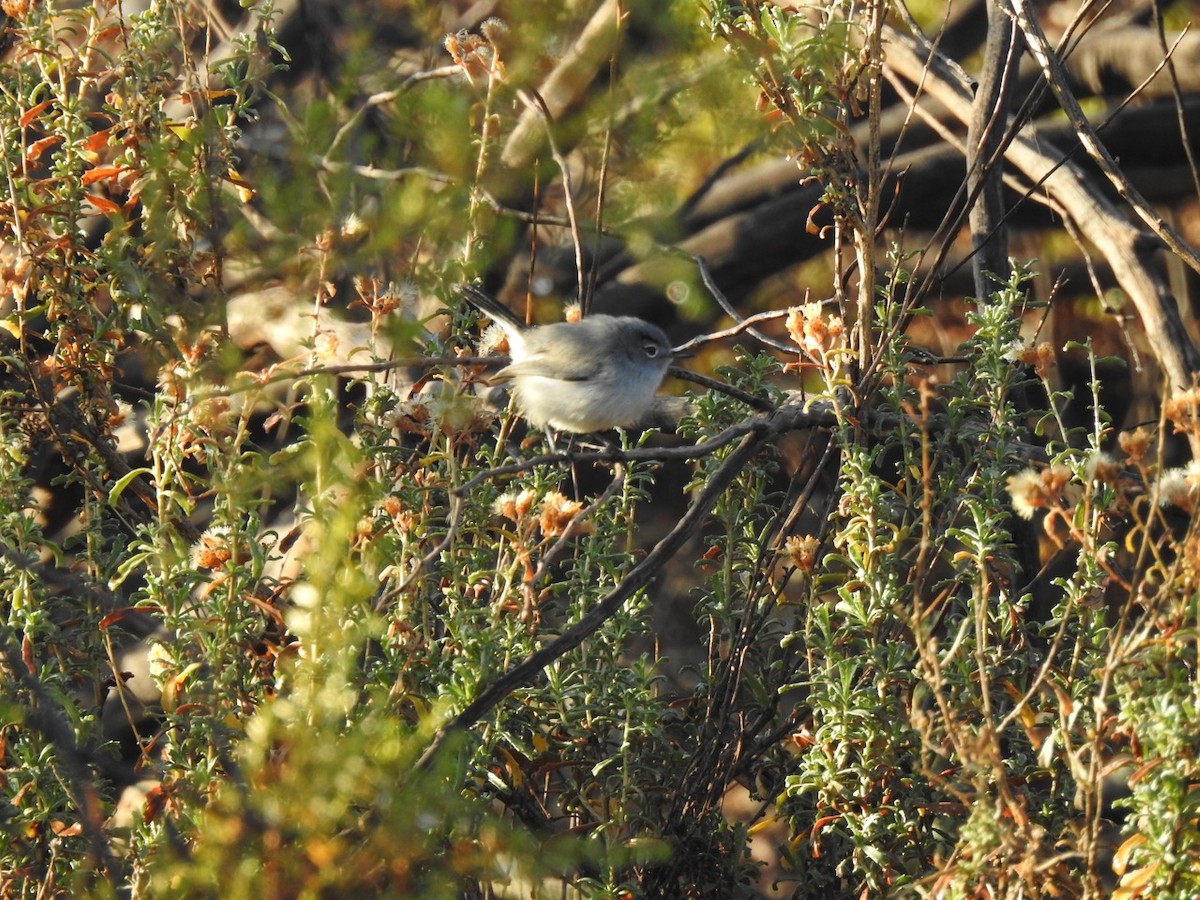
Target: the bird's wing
(572, 368)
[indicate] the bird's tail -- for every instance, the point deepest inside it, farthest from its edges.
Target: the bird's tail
(491, 308)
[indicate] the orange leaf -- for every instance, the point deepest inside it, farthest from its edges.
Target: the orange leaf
(173, 689)
(32, 113)
(1120, 860)
(100, 173)
(27, 655)
(1144, 768)
(156, 800)
(817, 826)
(97, 140)
(190, 96)
(37, 148)
(1133, 884)
(118, 614)
(105, 33)
(246, 191)
(809, 225)
(516, 775)
(103, 204)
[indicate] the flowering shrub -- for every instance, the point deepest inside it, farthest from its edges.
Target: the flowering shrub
(295, 608)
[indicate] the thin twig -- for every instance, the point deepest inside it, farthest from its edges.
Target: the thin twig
(723, 302)
(533, 100)
(576, 523)
(387, 97)
(1177, 92)
(617, 455)
(587, 286)
(1052, 69)
(383, 598)
(688, 347)
(754, 402)
(1097, 218)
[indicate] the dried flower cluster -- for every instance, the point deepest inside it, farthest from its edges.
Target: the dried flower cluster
(1134, 444)
(1179, 487)
(1040, 356)
(478, 54)
(555, 512)
(802, 552)
(1051, 488)
(514, 507)
(1032, 489)
(443, 406)
(815, 335)
(215, 548)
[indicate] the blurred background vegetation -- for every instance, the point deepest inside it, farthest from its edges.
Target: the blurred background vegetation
(904, 603)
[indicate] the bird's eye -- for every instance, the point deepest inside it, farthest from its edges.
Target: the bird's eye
(651, 350)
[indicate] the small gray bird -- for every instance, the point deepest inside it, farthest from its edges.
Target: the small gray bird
(601, 372)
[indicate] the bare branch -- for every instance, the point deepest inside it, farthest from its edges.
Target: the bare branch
(563, 88)
(1124, 246)
(1053, 70)
(985, 145)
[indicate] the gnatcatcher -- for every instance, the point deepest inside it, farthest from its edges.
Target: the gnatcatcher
(601, 372)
